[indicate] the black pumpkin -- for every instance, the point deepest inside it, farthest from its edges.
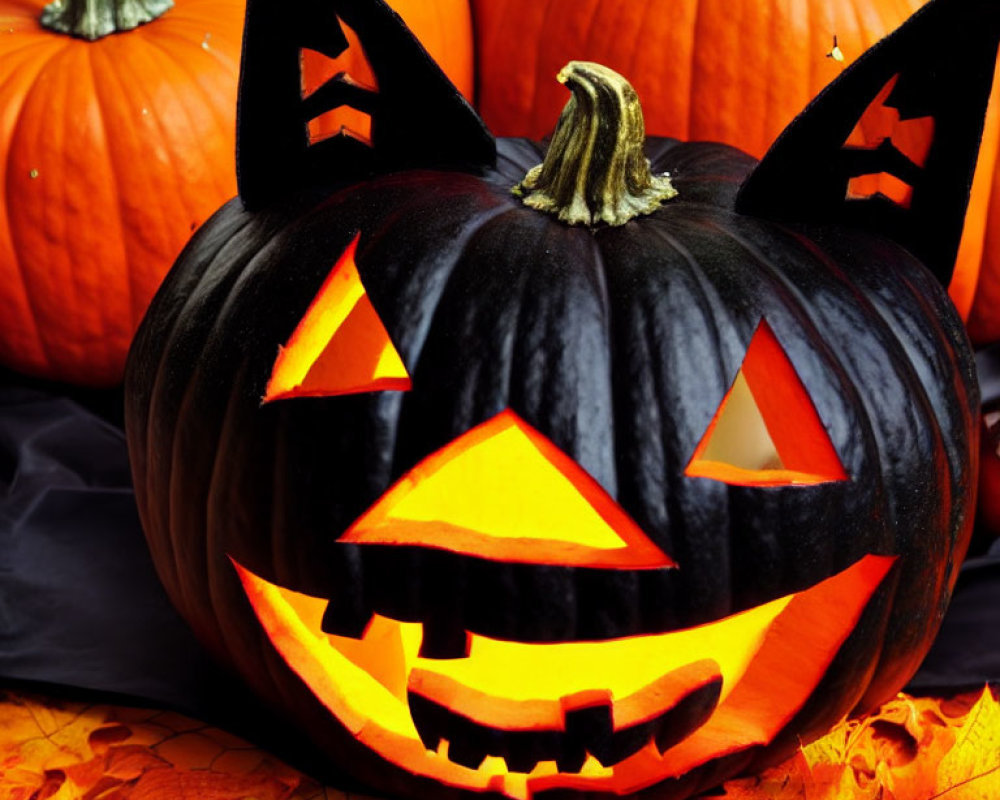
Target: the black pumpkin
(612, 349)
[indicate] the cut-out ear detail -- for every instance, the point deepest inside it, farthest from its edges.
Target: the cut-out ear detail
(340, 346)
(418, 118)
(504, 492)
(942, 63)
(766, 431)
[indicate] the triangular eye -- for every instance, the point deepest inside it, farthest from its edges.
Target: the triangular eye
(766, 431)
(340, 346)
(504, 492)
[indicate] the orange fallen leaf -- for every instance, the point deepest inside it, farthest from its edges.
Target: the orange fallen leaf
(910, 749)
(971, 769)
(55, 750)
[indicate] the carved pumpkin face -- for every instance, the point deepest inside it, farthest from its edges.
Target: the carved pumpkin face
(487, 502)
(437, 698)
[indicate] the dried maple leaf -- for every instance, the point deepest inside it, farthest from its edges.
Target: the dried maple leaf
(69, 751)
(910, 749)
(971, 769)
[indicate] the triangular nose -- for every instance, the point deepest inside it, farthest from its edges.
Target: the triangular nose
(766, 431)
(502, 491)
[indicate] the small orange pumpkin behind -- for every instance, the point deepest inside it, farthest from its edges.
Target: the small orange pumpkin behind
(112, 151)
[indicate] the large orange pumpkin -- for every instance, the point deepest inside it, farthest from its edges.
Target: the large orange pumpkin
(112, 152)
(735, 71)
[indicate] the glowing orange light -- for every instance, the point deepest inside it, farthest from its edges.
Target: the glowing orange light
(503, 491)
(912, 137)
(766, 431)
(340, 346)
(770, 659)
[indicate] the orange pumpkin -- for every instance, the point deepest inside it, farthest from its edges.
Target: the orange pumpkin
(112, 152)
(718, 70)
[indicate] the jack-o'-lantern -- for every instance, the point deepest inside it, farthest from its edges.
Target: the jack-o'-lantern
(624, 472)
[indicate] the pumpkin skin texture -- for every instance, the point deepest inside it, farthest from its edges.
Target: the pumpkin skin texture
(111, 153)
(618, 345)
(734, 72)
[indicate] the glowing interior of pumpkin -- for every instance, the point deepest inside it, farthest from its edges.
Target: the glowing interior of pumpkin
(766, 431)
(769, 658)
(340, 346)
(503, 491)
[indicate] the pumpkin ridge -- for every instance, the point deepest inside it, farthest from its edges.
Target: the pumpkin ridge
(211, 567)
(180, 98)
(535, 53)
(771, 277)
(415, 348)
(64, 273)
(645, 314)
(637, 46)
(107, 336)
(184, 66)
(470, 229)
(185, 32)
(157, 390)
(18, 271)
(136, 86)
(905, 332)
(110, 151)
(905, 372)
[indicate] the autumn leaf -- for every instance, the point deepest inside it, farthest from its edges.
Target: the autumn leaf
(910, 749)
(52, 750)
(971, 769)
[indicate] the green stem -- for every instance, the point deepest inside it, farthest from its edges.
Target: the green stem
(92, 19)
(595, 170)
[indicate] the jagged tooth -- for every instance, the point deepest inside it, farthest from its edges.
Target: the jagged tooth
(572, 759)
(590, 728)
(346, 619)
(443, 641)
(466, 753)
(623, 744)
(428, 719)
(522, 754)
(349, 610)
(494, 765)
(689, 714)
(594, 768)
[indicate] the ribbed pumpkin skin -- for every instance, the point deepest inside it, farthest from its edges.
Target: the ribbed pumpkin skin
(734, 71)
(111, 153)
(618, 345)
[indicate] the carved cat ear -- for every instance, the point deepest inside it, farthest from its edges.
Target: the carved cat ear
(930, 81)
(418, 118)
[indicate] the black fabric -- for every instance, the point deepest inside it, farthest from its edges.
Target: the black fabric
(80, 603)
(966, 653)
(81, 606)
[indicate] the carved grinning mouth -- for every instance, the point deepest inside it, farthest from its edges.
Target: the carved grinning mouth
(613, 715)
(587, 731)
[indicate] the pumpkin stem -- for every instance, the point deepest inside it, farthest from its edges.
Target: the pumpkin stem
(595, 169)
(92, 19)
